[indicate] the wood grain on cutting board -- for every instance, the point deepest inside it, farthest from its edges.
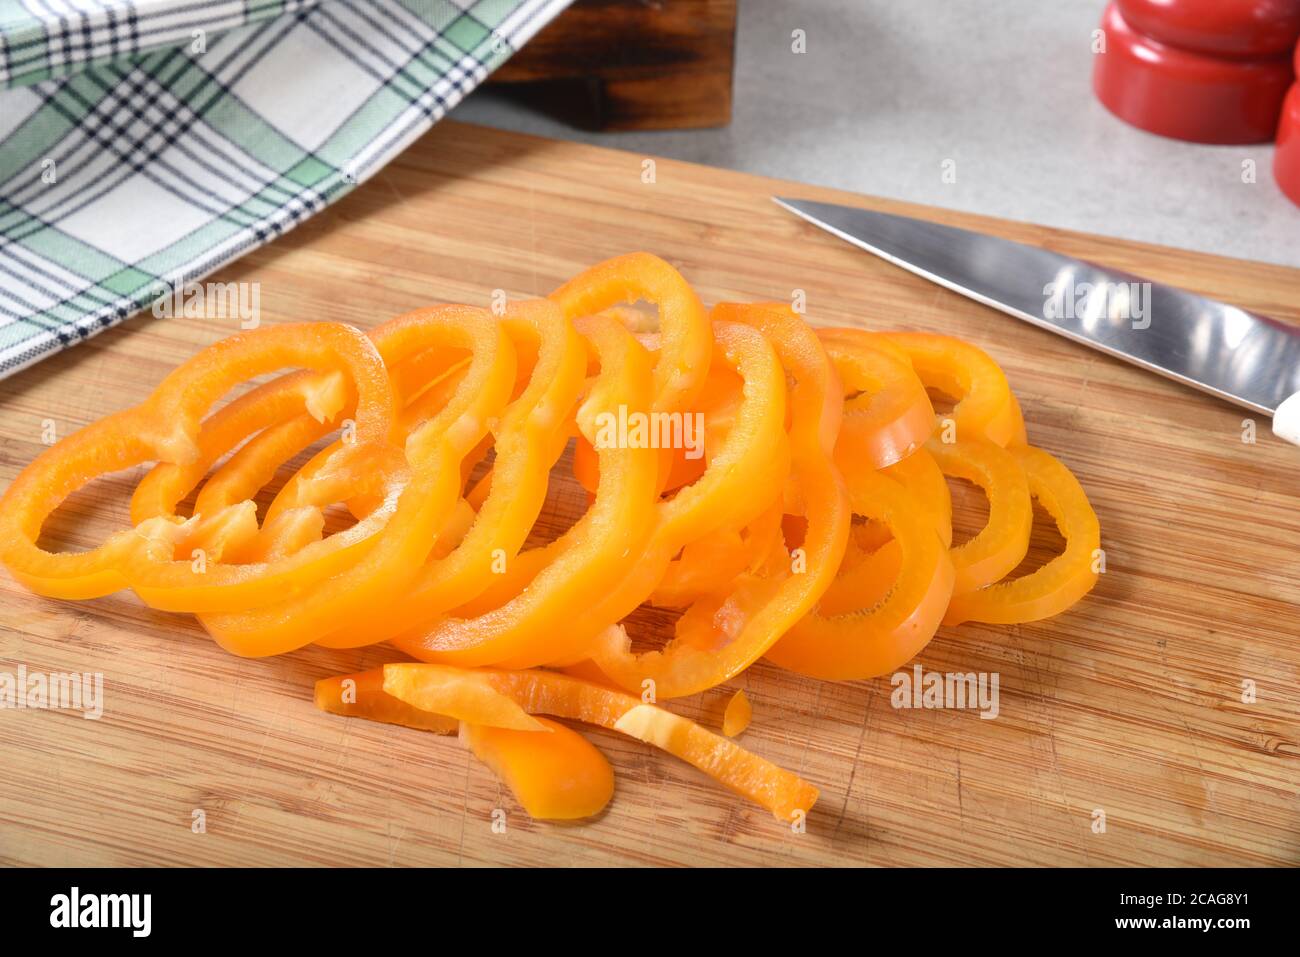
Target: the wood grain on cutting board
(1129, 704)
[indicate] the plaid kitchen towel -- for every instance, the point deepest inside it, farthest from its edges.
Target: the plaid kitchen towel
(144, 143)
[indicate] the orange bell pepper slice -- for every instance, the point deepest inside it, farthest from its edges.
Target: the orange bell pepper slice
(874, 641)
(873, 560)
(559, 776)
(865, 578)
(320, 399)
(887, 413)
(685, 337)
(720, 636)
(921, 475)
(166, 428)
(966, 372)
(528, 441)
(712, 561)
(527, 612)
(1060, 583)
(736, 486)
(708, 565)
(434, 452)
(434, 688)
(362, 695)
(1001, 544)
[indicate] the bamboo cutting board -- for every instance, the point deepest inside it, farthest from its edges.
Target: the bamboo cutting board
(1130, 705)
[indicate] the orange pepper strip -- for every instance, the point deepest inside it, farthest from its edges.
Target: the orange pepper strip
(1060, 583)
(361, 695)
(1002, 543)
(738, 715)
(967, 373)
(434, 452)
(529, 439)
(875, 641)
(718, 638)
(556, 777)
(887, 413)
(459, 698)
(685, 338)
(166, 428)
(547, 692)
(529, 610)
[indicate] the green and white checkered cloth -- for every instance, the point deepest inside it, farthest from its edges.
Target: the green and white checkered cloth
(144, 144)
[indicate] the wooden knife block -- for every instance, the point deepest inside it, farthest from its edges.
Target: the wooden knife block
(631, 64)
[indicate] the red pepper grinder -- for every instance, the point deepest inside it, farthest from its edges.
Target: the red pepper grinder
(1286, 160)
(1210, 71)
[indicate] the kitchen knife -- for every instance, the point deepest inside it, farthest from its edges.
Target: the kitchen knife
(1248, 359)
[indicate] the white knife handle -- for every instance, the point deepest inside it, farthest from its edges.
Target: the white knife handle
(1286, 420)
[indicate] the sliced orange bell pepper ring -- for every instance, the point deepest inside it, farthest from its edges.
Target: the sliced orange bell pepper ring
(1001, 544)
(966, 373)
(742, 479)
(529, 440)
(864, 580)
(166, 428)
(318, 398)
(920, 474)
(887, 413)
(433, 688)
(685, 338)
(873, 560)
(708, 565)
(874, 641)
(1065, 579)
(281, 438)
(528, 610)
(434, 452)
(737, 485)
(723, 634)
(713, 561)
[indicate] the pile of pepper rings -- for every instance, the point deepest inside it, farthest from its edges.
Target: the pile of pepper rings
(814, 529)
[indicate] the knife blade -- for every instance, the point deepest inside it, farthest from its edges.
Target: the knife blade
(1240, 356)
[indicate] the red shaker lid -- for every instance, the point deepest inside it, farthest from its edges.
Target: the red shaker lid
(1244, 28)
(1187, 95)
(1286, 159)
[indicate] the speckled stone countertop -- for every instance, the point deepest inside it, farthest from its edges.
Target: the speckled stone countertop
(886, 92)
